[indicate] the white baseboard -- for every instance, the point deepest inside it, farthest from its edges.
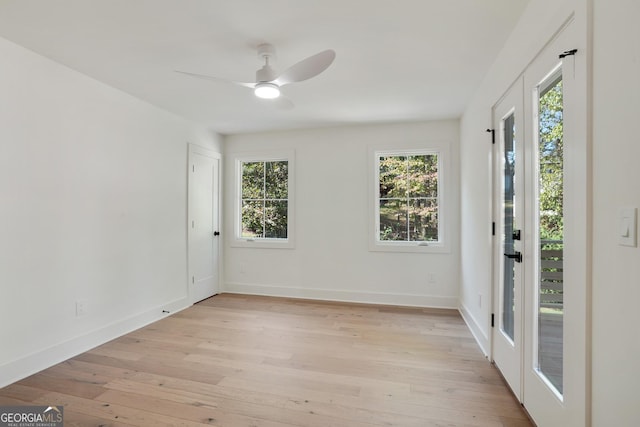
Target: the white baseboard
(476, 330)
(344, 296)
(35, 362)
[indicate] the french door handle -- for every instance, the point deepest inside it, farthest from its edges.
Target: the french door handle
(216, 233)
(517, 256)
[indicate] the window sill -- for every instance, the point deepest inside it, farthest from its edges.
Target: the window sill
(263, 243)
(408, 247)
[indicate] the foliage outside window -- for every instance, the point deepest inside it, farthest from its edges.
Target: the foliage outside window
(408, 197)
(551, 163)
(264, 199)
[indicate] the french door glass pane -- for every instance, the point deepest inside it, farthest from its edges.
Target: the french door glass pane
(509, 200)
(551, 219)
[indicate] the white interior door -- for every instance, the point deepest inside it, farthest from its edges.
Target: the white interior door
(540, 303)
(203, 223)
(509, 221)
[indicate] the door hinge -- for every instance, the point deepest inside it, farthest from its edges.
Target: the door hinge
(193, 168)
(193, 279)
(493, 228)
(493, 318)
(493, 135)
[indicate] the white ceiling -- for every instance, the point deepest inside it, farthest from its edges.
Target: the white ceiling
(396, 60)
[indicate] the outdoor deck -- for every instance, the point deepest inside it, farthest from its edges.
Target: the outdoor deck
(550, 325)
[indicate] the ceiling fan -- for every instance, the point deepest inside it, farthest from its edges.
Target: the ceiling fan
(268, 83)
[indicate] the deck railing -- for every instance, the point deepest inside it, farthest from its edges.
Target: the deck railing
(551, 282)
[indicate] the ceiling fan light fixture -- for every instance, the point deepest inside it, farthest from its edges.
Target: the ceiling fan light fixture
(267, 90)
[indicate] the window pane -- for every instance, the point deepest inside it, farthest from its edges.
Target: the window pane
(252, 218)
(551, 238)
(276, 179)
(252, 180)
(393, 220)
(423, 220)
(393, 177)
(423, 176)
(509, 224)
(275, 223)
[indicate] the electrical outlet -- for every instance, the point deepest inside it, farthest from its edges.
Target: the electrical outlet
(81, 308)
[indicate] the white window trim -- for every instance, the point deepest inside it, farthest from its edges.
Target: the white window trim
(263, 243)
(375, 244)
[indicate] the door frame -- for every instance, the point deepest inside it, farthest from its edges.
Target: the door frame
(194, 150)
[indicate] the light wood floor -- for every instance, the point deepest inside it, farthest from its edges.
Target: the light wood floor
(237, 360)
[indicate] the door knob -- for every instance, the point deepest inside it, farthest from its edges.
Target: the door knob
(517, 256)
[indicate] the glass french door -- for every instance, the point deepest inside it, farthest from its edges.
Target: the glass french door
(555, 297)
(541, 244)
(509, 208)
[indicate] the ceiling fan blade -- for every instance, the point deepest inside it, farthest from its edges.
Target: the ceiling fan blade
(307, 68)
(217, 79)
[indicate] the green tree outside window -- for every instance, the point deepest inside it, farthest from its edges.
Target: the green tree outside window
(264, 199)
(408, 197)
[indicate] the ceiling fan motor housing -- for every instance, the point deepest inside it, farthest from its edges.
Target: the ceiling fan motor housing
(266, 73)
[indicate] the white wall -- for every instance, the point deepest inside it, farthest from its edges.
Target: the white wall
(331, 259)
(616, 178)
(92, 208)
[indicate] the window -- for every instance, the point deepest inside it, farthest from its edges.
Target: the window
(264, 202)
(265, 199)
(407, 202)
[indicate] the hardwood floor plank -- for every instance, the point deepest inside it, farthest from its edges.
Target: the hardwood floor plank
(152, 364)
(239, 360)
(78, 419)
(204, 411)
(71, 386)
(113, 412)
(20, 393)
(10, 401)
